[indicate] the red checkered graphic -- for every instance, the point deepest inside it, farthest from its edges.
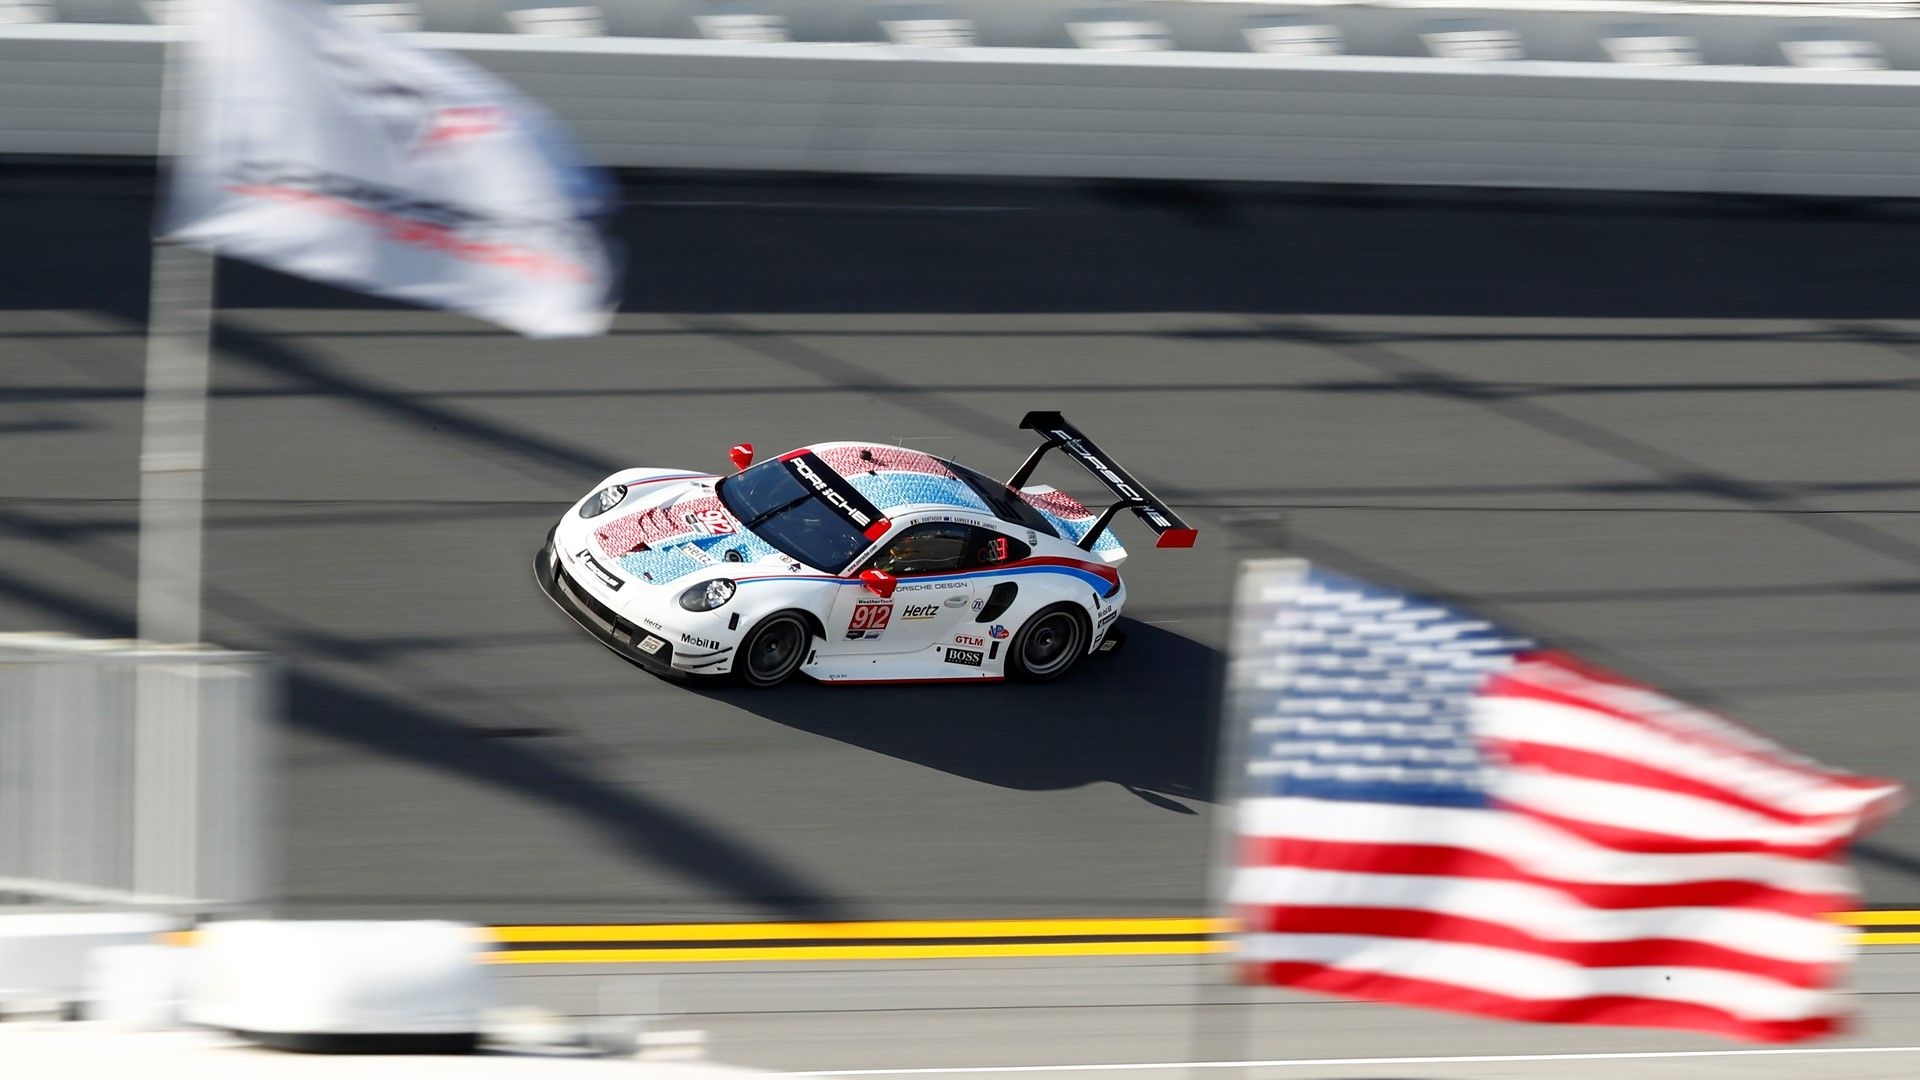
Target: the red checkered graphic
(846, 461)
(1058, 503)
(656, 526)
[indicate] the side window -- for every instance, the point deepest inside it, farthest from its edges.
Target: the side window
(928, 549)
(991, 548)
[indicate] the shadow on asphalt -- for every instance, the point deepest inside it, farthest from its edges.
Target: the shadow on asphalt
(513, 759)
(1142, 718)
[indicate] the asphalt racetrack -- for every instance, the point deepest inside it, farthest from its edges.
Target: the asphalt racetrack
(1676, 436)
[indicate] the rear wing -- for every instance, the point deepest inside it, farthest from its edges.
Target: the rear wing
(1130, 494)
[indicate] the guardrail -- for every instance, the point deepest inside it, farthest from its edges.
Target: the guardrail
(133, 776)
(659, 103)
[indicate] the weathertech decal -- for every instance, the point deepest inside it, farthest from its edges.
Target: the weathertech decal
(833, 491)
(606, 577)
(870, 618)
(968, 657)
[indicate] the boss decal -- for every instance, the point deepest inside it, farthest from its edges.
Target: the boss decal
(967, 657)
(606, 576)
(919, 611)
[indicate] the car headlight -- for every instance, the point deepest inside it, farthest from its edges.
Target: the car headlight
(603, 500)
(707, 595)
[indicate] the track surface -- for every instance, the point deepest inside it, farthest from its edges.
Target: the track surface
(1678, 437)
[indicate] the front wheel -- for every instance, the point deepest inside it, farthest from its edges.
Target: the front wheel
(1048, 644)
(773, 650)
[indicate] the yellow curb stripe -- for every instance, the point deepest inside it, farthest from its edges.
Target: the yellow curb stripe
(600, 944)
(857, 952)
(848, 931)
(1877, 918)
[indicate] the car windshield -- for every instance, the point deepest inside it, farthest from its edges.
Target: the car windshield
(771, 503)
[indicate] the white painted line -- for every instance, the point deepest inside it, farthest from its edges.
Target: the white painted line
(1135, 1066)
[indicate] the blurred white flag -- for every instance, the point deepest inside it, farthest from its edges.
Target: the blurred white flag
(331, 151)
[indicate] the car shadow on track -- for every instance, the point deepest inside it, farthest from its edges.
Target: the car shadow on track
(1142, 718)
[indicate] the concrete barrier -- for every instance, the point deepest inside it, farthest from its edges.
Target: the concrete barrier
(677, 103)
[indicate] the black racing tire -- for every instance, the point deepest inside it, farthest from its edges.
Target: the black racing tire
(1048, 644)
(773, 650)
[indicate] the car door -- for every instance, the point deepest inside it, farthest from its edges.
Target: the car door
(931, 604)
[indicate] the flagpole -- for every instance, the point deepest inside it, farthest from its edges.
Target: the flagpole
(174, 413)
(173, 438)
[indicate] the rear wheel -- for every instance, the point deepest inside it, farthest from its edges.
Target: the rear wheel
(773, 650)
(1050, 643)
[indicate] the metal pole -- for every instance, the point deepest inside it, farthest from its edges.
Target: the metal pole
(167, 785)
(173, 445)
(174, 419)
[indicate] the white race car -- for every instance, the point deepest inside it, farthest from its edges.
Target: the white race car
(852, 563)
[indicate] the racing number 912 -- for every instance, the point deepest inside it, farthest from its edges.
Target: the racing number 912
(869, 616)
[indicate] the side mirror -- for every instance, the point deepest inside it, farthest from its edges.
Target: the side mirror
(879, 582)
(741, 455)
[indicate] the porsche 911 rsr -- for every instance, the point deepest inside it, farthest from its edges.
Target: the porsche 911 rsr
(852, 562)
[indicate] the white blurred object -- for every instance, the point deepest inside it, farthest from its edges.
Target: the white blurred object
(929, 28)
(529, 1027)
(138, 987)
(1469, 40)
(1834, 52)
(683, 1045)
(1651, 46)
(44, 957)
(311, 983)
(176, 12)
(1110, 31)
(1294, 36)
(396, 18)
(738, 24)
(571, 22)
(17, 12)
(30, 1051)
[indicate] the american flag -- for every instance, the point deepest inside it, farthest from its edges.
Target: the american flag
(1436, 812)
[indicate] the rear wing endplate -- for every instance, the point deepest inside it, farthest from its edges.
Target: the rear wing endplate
(1130, 494)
